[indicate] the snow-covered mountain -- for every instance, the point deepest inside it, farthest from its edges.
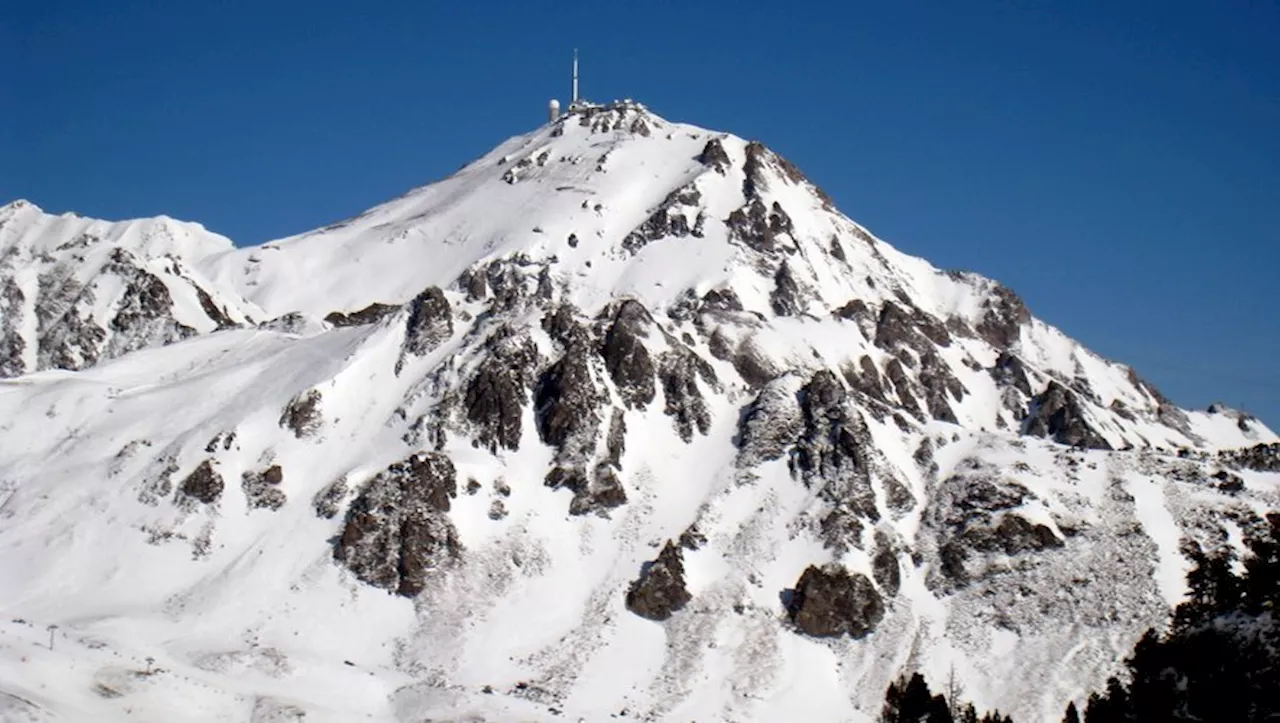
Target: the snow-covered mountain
(623, 420)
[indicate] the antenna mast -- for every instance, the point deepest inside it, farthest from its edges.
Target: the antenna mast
(574, 102)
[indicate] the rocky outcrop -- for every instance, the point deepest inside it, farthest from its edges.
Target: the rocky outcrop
(679, 371)
(302, 414)
(1259, 457)
(669, 220)
(975, 514)
(758, 227)
(660, 590)
(830, 601)
(625, 354)
(496, 395)
(1057, 414)
(829, 456)
(430, 322)
(262, 488)
(1009, 371)
(771, 424)
(12, 346)
(714, 156)
(204, 484)
(396, 532)
(1003, 316)
(370, 314)
(884, 566)
(788, 297)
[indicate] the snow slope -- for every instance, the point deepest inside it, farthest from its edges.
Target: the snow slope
(424, 463)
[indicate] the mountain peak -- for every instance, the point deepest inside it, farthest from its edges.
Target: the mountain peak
(623, 405)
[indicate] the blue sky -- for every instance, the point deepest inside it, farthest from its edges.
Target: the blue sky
(1117, 164)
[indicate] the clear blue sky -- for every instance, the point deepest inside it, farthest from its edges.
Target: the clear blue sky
(1116, 163)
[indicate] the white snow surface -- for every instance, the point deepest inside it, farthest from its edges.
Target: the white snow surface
(123, 599)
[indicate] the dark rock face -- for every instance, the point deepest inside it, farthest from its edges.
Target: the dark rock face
(327, 502)
(566, 401)
(625, 355)
(714, 156)
(302, 414)
(397, 533)
(770, 425)
(213, 311)
(659, 591)
(679, 371)
(430, 322)
(910, 327)
(884, 566)
(496, 395)
(1004, 315)
(204, 484)
(1013, 535)
(830, 601)
(1010, 372)
(370, 314)
(897, 376)
(1056, 414)
(1260, 457)
(668, 220)
(262, 489)
(787, 297)
(12, 345)
(759, 228)
(939, 384)
(829, 454)
(976, 515)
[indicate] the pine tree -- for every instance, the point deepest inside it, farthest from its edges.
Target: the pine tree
(1073, 716)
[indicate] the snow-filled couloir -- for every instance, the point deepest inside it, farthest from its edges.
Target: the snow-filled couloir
(623, 420)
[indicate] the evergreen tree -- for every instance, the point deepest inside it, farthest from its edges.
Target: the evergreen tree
(1073, 716)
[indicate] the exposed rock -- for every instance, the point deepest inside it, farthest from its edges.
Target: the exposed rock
(1057, 414)
(430, 322)
(902, 385)
(567, 402)
(203, 484)
(668, 220)
(659, 591)
(625, 354)
(787, 297)
(884, 566)
(911, 328)
(213, 311)
(328, 500)
(1014, 534)
(370, 314)
(723, 299)
(755, 365)
(714, 156)
(12, 345)
(1260, 457)
(262, 489)
(867, 381)
(679, 371)
(939, 384)
(397, 533)
(771, 424)
(829, 455)
(830, 601)
(759, 228)
(302, 414)
(1009, 371)
(496, 395)
(1004, 315)
(616, 443)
